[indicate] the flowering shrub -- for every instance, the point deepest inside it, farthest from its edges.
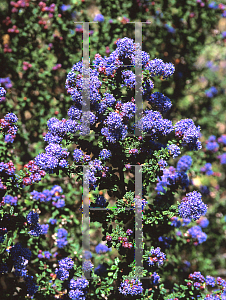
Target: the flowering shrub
(114, 123)
(172, 211)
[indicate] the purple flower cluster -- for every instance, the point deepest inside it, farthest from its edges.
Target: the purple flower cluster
(203, 222)
(45, 228)
(115, 130)
(192, 206)
(207, 169)
(188, 133)
(210, 281)
(2, 94)
(32, 220)
(114, 124)
(160, 102)
(96, 169)
(156, 257)
(101, 248)
(211, 144)
(10, 200)
(105, 154)
(100, 201)
(80, 157)
(6, 82)
(61, 239)
(129, 79)
(222, 139)
(98, 18)
(154, 125)
(184, 163)
(20, 257)
(32, 173)
(8, 127)
(7, 168)
(211, 92)
(197, 279)
(172, 178)
(176, 222)
(155, 278)
(157, 67)
(77, 288)
(87, 266)
(65, 265)
(131, 287)
(196, 233)
(174, 150)
(44, 254)
(54, 158)
(222, 158)
(162, 164)
(53, 195)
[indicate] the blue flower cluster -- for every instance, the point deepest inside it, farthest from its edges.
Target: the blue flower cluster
(156, 257)
(222, 158)
(77, 288)
(114, 126)
(207, 169)
(211, 144)
(96, 169)
(2, 94)
(50, 195)
(222, 139)
(8, 127)
(7, 168)
(197, 279)
(203, 222)
(175, 177)
(65, 265)
(8, 199)
(32, 173)
(188, 133)
(61, 239)
(87, 266)
(176, 222)
(154, 125)
(35, 227)
(211, 92)
(45, 228)
(80, 157)
(105, 154)
(20, 257)
(192, 206)
(174, 150)
(101, 248)
(6, 82)
(196, 233)
(160, 102)
(155, 278)
(184, 163)
(44, 254)
(157, 67)
(131, 287)
(98, 18)
(54, 158)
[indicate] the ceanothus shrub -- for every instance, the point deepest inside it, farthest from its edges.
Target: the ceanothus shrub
(109, 150)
